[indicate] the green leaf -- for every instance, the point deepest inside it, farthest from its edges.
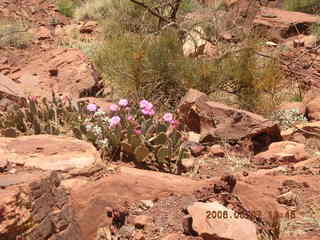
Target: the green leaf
(126, 148)
(141, 152)
(163, 154)
(134, 141)
(158, 139)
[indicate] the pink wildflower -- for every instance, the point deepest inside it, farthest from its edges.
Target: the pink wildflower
(168, 117)
(137, 131)
(114, 107)
(115, 120)
(123, 102)
(91, 107)
(144, 104)
(148, 112)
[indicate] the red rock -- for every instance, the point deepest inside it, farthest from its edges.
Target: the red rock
(76, 75)
(313, 109)
(88, 27)
(216, 151)
(3, 164)
(226, 226)
(45, 204)
(197, 150)
(282, 153)
(187, 163)
(308, 129)
(128, 185)
(43, 33)
(281, 21)
(142, 221)
(139, 236)
(49, 152)
(215, 120)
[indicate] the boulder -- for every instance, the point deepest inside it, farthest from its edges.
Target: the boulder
(194, 44)
(283, 22)
(284, 152)
(49, 152)
(217, 121)
(208, 223)
(301, 132)
(216, 151)
(34, 206)
(127, 186)
(88, 27)
(43, 33)
(313, 109)
(66, 71)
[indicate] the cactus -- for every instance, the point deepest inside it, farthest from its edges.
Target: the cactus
(141, 152)
(156, 143)
(163, 154)
(158, 139)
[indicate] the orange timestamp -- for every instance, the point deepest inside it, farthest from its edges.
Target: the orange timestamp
(224, 214)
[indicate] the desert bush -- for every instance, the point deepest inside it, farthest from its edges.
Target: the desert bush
(315, 29)
(67, 7)
(254, 79)
(95, 9)
(122, 16)
(309, 6)
(14, 35)
(74, 39)
(131, 131)
(287, 118)
(188, 6)
(151, 67)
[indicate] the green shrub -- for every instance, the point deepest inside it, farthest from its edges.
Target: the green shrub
(188, 6)
(255, 80)
(152, 67)
(118, 16)
(14, 35)
(309, 6)
(67, 7)
(315, 29)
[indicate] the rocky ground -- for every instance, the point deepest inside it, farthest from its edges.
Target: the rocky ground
(265, 183)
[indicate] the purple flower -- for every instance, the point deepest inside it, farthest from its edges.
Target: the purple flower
(91, 107)
(148, 112)
(168, 117)
(114, 107)
(130, 117)
(144, 104)
(123, 102)
(115, 120)
(137, 131)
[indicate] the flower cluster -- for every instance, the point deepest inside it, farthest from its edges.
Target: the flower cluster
(121, 115)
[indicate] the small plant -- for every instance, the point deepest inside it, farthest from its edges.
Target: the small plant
(315, 30)
(286, 118)
(131, 132)
(67, 7)
(14, 35)
(307, 6)
(42, 117)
